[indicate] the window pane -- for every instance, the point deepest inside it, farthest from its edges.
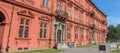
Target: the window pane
(19, 48)
(45, 25)
(26, 48)
(43, 1)
(26, 32)
(41, 33)
(41, 25)
(46, 3)
(44, 33)
(21, 31)
(22, 21)
(27, 22)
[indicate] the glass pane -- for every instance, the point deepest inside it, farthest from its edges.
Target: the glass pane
(43, 1)
(46, 3)
(45, 25)
(22, 21)
(41, 25)
(26, 32)
(19, 48)
(27, 22)
(21, 31)
(44, 33)
(41, 33)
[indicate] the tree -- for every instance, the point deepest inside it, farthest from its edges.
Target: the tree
(113, 32)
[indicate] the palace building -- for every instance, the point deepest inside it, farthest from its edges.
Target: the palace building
(41, 24)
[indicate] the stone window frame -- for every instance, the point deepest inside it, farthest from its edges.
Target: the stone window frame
(69, 32)
(69, 10)
(81, 33)
(24, 25)
(76, 14)
(44, 29)
(45, 3)
(76, 32)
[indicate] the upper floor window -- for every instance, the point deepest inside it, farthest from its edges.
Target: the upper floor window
(81, 16)
(69, 10)
(45, 3)
(24, 28)
(43, 30)
(59, 5)
(76, 14)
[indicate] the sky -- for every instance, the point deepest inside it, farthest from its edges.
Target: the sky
(111, 8)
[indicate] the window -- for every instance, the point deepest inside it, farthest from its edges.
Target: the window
(69, 10)
(45, 3)
(19, 48)
(81, 16)
(43, 30)
(81, 34)
(76, 14)
(24, 28)
(76, 33)
(68, 32)
(26, 48)
(59, 5)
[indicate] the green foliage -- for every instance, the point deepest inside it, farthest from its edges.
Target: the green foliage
(115, 51)
(113, 32)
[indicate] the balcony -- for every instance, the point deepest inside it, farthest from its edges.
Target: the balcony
(92, 13)
(61, 13)
(92, 26)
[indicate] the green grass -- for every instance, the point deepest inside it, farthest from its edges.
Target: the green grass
(84, 46)
(41, 51)
(115, 51)
(118, 43)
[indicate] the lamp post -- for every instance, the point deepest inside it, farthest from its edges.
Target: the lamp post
(8, 38)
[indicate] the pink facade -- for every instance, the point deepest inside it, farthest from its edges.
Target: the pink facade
(40, 24)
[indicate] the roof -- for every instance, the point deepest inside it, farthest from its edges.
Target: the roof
(97, 8)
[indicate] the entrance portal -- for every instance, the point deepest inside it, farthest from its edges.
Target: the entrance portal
(2, 26)
(59, 36)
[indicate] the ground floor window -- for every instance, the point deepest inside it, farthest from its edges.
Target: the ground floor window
(76, 33)
(43, 30)
(24, 28)
(68, 32)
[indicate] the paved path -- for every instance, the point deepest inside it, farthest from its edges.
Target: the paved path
(93, 49)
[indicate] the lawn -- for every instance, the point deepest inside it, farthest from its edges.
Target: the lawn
(84, 46)
(115, 51)
(40, 51)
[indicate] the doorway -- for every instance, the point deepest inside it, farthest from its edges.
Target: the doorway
(2, 27)
(59, 36)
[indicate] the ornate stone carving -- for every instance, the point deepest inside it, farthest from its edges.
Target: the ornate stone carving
(44, 18)
(26, 13)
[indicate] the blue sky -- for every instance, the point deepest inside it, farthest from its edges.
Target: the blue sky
(111, 8)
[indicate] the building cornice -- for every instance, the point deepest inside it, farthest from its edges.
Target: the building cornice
(28, 7)
(97, 8)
